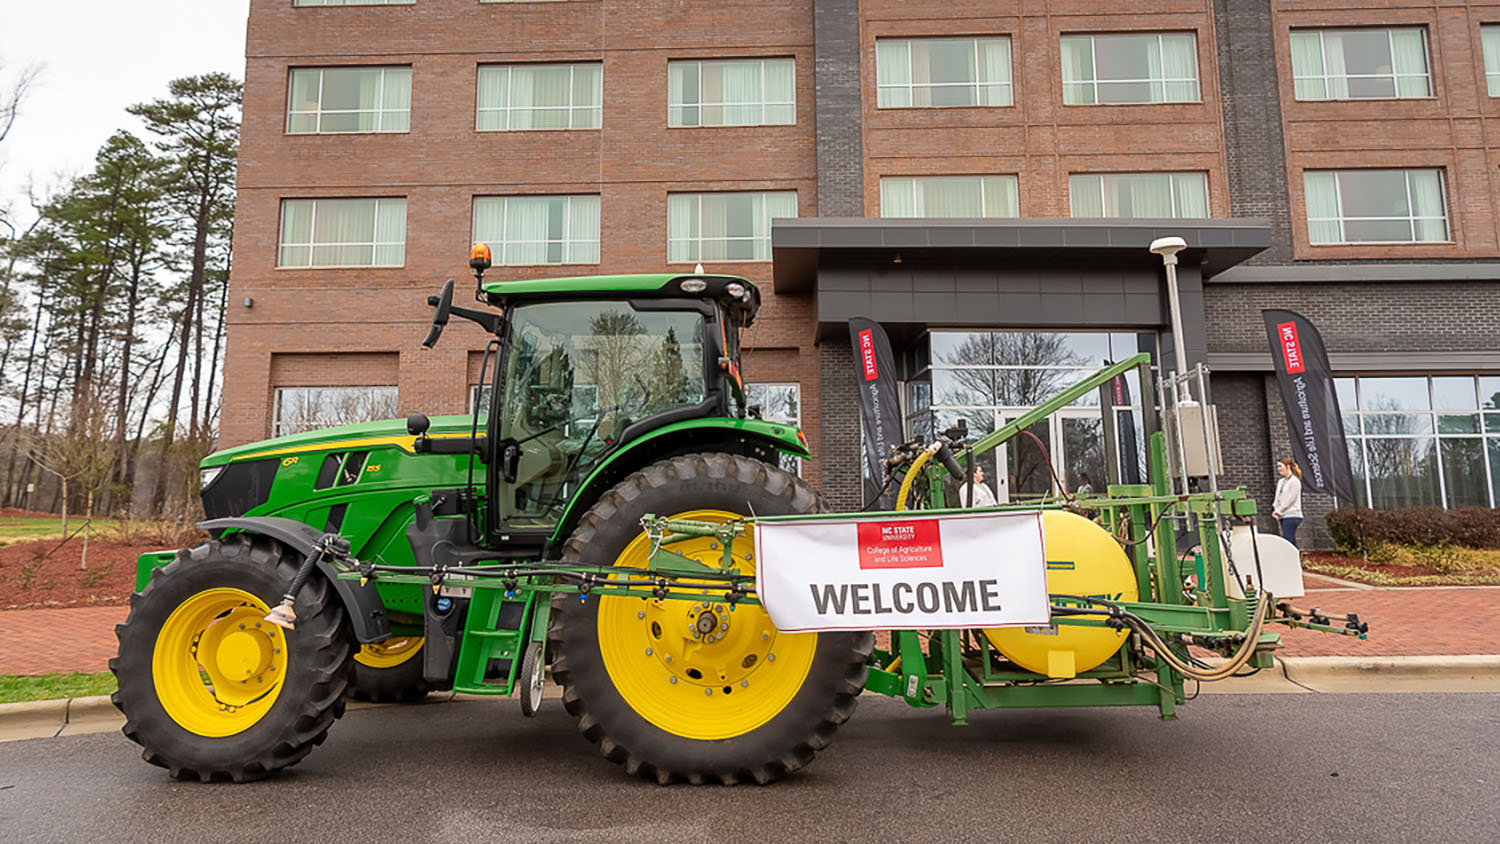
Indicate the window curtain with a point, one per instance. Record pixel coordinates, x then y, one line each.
355 92
296 232
1146 195
950 198
893 68
1490 36
1307 61
682 94
494 84
1191 191
994 72
718 220
780 92
303 98
1078 70
1179 61
343 233
489 224
1085 196
740 92
542 94
682 227
522 98
526 229
588 96
1409 60
781 204
1321 192
898 198
1333 66
395 101
1426 188
1000 199
583 230
390 232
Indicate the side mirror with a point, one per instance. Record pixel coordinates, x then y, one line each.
443 302
417 424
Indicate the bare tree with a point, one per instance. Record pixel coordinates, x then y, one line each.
11 99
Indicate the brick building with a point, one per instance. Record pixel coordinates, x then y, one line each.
1337 161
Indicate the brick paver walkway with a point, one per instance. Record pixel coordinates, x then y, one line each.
1403 622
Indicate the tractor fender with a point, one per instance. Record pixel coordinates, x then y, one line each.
751 437
361 602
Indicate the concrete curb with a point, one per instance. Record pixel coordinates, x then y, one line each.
1292 675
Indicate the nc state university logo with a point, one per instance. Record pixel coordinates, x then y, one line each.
900 545
867 353
1291 347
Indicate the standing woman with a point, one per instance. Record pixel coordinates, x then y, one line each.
1287 505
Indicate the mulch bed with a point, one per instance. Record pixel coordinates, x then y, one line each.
18 513
1381 574
30 578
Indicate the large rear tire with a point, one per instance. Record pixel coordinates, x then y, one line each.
209 689
738 701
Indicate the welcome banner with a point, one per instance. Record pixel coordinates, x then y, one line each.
1312 405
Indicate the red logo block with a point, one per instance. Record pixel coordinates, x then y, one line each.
867 353
913 544
1291 347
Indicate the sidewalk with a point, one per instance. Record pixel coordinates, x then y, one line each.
1428 621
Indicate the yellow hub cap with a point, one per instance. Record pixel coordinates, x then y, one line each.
699 669
390 653
217 665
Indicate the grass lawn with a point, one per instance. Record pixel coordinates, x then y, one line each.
15 688
32 528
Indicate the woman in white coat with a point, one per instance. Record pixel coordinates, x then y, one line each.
1287 505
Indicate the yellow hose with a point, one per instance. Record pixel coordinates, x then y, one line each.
911 476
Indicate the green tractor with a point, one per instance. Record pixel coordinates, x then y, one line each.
605 400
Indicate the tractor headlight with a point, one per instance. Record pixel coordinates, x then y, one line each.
693 285
735 289
207 476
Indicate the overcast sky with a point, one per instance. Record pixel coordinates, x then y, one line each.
98 57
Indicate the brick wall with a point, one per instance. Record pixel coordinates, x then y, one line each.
840 441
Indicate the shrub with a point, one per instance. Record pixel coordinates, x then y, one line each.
1365 531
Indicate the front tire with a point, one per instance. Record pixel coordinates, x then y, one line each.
737 702
210 690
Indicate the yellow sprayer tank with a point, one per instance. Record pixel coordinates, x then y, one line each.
1082 559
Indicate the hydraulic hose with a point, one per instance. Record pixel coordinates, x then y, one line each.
911 474
1143 629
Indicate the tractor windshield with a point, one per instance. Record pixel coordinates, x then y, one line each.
576 376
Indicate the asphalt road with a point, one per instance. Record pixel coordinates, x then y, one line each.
1409 767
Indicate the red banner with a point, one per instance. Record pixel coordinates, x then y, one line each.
900 545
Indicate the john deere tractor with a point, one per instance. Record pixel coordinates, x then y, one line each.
605 399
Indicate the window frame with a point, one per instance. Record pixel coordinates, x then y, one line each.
763 103
1393 75
696 243
1411 217
919 197
1163 80
498 247
910 87
379 111
571 108
282 244
1171 175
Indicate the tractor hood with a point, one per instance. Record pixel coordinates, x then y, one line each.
360 435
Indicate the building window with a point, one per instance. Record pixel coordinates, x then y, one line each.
1419 440
1490 37
513 97
949 196
1375 206
354 2
301 409
1160 195
1354 64
343 233
539 229
779 403
724 226
942 72
1141 68
349 99
732 92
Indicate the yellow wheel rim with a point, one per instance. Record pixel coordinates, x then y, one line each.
390 653
218 665
733 676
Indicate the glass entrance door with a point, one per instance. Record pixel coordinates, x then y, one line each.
1025 473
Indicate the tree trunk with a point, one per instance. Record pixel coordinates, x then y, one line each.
158 494
88 517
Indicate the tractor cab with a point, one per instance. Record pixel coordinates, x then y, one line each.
582 368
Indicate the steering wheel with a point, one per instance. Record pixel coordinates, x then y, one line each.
443 302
